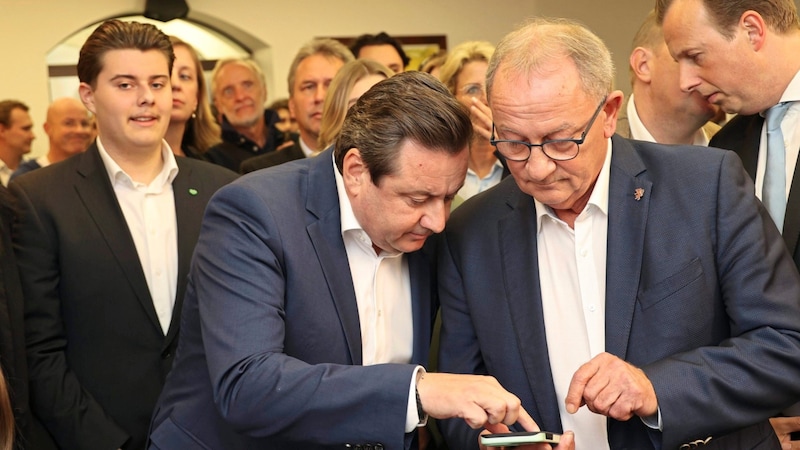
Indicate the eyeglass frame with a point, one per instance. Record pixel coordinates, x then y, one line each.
541 145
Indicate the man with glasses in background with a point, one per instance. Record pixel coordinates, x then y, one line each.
648 285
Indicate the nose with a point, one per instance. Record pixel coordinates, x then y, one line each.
176 83
539 166
146 95
435 216
687 77
320 93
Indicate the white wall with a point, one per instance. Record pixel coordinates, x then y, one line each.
29 29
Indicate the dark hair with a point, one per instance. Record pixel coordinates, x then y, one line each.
379 39
780 15
281 103
6 106
410 106
118 35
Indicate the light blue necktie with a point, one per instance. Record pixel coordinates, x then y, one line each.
774 189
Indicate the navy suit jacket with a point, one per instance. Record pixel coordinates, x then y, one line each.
743 135
270 348
700 293
96 352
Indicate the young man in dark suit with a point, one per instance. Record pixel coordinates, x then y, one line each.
103 243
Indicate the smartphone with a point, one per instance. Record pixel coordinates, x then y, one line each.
521 438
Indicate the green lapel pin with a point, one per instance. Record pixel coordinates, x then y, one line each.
192 191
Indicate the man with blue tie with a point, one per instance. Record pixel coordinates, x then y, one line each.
745 57
636 294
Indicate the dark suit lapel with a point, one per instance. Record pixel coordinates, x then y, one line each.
190 202
422 308
791 221
95 192
746 143
628 202
326 236
520 264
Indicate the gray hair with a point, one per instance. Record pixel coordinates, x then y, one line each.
540 41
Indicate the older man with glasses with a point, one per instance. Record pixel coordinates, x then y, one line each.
649 286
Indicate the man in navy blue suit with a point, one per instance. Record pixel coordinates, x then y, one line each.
745 57
644 282
311 296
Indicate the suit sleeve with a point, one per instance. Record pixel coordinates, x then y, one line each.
749 375
68 411
239 280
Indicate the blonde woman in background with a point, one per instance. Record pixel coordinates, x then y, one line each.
352 80
464 74
192 128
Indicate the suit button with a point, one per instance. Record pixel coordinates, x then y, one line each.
368 447
378 446
166 355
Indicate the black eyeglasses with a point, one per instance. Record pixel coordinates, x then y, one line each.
555 149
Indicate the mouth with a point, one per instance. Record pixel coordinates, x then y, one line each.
420 235
145 119
713 97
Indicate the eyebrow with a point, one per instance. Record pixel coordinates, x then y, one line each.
132 77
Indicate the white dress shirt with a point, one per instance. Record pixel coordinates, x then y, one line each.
306 149
383 293
572 274
5 173
149 211
791 137
639 131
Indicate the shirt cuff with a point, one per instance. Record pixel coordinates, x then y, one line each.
654 421
413 420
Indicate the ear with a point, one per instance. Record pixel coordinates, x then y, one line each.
354 172
612 107
640 61
753 24
87 97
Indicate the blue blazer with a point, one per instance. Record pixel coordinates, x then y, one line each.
700 293
743 135
270 350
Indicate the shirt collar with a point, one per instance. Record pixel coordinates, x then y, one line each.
169 170
306 149
598 198
349 223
